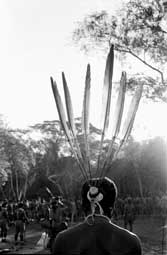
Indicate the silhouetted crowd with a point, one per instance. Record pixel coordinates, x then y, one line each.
55 215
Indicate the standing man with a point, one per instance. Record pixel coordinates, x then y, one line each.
21 219
129 213
57 222
73 211
4 220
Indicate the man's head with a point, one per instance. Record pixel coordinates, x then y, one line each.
102 189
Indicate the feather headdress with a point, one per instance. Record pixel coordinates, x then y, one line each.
119 132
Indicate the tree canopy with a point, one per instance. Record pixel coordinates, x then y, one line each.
139 171
137 30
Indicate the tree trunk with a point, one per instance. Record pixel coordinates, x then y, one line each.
2 191
25 187
12 187
136 165
17 185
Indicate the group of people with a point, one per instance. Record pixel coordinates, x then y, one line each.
16 216
97 234
19 214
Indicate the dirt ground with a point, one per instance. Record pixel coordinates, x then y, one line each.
153 238
152 234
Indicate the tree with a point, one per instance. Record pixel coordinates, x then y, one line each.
18 161
148 161
55 166
135 30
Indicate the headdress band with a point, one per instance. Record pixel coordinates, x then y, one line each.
94 196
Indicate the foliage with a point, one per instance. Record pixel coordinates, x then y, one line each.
135 30
15 162
152 88
141 170
19 161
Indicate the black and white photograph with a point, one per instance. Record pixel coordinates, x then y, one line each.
83 127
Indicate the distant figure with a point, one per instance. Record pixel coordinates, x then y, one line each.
20 219
73 211
4 221
129 214
57 222
97 235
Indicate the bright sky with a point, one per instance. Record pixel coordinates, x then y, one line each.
35 44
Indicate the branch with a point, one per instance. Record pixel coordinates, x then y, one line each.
143 61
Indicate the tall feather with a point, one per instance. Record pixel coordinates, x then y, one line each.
70 115
106 98
107 88
85 115
62 118
69 107
60 110
119 106
128 123
117 118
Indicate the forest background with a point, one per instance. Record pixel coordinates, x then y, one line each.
38 156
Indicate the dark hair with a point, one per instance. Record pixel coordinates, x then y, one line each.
20 205
105 186
4 204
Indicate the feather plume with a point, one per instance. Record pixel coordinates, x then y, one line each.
70 115
128 123
107 88
69 107
117 118
106 98
62 118
85 115
86 103
61 111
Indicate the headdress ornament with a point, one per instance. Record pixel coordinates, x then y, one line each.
94 196
119 132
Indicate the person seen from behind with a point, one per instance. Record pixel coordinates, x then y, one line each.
20 219
129 214
56 219
4 221
97 235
